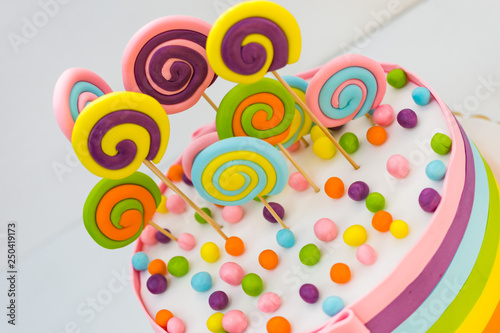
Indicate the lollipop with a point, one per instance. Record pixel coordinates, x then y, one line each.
166 59
74 89
194 148
346 88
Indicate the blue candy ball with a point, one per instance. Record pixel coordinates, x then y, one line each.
201 281
333 305
435 170
140 261
285 238
421 95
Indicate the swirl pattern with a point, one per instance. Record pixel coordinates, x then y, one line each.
346 88
263 110
194 148
252 38
233 171
118 131
75 88
116 211
166 59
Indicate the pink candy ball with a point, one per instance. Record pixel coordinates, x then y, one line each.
186 241
231 273
298 182
325 230
294 147
175 325
269 302
383 115
234 321
232 214
366 254
148 235
176 204
398 166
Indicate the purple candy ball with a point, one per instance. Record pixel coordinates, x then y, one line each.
157 284
277 208
429 200
309 293
162 238
186 180
407 118
336 128
358 191
218 300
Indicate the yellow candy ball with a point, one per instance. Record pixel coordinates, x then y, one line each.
162 208
210 252
355 235
214 322
399 229
324 148
316 133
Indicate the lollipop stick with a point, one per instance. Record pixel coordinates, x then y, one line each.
167 182
315 120
298 167
370 119
273 213
212 104
304 141
163 231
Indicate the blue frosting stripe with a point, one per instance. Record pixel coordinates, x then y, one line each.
254 166
301 84
79 88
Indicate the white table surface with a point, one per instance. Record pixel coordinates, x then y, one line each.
453 45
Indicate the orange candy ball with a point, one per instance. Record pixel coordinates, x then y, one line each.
381 221
278 325
162 317
268 259
376 135
340 273
157 266
235 246
334 188
175 173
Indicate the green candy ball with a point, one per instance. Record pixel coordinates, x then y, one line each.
200 219
309 255
397 78
178 266
375 202
349 141
252 284
258 200
441 143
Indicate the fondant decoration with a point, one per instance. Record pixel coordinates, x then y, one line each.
381 221
175 173
340 273
160 236
298 182
435 170
366 254
234 246
214 322
200 219
235 321
268 259
441 143
398 166
148 235
231 273
194 148
175 204
176 325
201 281
140 261
324 148
358 191
157 284
325 230
376 135
429 199
397 78
333 305
186 241
285 238
157 266
334 188
278 209
278 325
355 235
162 317
421 95
350 142
269 302
178 266
383 115
309 255
407 118
252 284
232 214
375 202
218 300
210 252
399 229
309 293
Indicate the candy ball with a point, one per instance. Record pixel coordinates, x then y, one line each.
334 187
399 229
186 180
235 321
397 78
340 273
175 325
358 191
200 219
277 208
269 302
162 317
383 115
398 166
175 173
298 182
148 235
258 199
333 305
309 255
162 207
435 170
407 118
218 300
309 293
268 259
316 133
214 322
157 284
201 281
234 246
375 202
278 325
441 143
285 238
355 235
232 214
178 266
349 141
176 204
157 266
140 261
252 284
231 273
186 241
325 230
429 200
376 135
324 148
381 221
160 237
421 95
366 254
294 147
210 252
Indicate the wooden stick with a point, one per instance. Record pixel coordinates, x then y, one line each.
212 104
273 213
298 167
304 141
163 231
370 119
315 120
167 182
